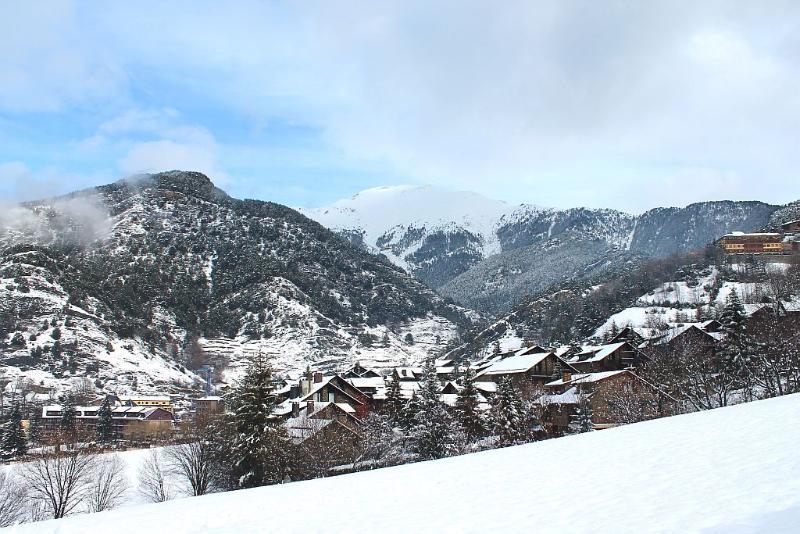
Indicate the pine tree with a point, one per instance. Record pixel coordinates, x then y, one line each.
14 442
68 416
105 422
469 415
733 355
433 433
508 419
259 440
395 404
35 426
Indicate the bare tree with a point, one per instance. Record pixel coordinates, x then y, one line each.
13 500
773 365
60 482
191 463
110 484
153 478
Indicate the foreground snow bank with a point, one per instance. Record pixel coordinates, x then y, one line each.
734 469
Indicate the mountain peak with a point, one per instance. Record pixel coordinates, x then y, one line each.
191 183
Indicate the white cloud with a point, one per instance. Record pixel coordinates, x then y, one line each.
153 156
554 102
49 62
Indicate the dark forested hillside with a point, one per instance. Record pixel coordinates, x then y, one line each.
169 258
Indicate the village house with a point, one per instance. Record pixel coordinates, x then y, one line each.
629 334
359 371
597 392
329 429
414 374
791 227
524 369
335 389
371 386
208 406
679 337
611 357
130 422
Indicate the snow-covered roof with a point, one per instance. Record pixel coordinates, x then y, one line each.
595 353
486 387
515 364
672 333
117 411
561 351
144 398
760 234
570 396
586 378
368 382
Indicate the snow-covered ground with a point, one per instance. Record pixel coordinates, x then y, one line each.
729 470
676 302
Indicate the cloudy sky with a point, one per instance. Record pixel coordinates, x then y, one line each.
606 104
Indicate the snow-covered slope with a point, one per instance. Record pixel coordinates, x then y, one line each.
729 470
675 303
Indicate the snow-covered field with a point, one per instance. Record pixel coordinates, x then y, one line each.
729 470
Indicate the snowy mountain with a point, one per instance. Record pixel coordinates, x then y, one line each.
428 231
487 254
664 475
136 284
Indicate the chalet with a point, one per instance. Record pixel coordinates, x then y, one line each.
359 371
690 335
710 326
628 334
407 374
130 422
611 357
369 385
329 428
594 389
754 243
791 227
524 368
318 388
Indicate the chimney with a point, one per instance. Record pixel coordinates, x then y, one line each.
309 407
317 378
566 376
295 409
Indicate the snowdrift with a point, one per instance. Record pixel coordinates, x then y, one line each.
734 469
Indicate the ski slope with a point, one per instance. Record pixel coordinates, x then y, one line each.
734 469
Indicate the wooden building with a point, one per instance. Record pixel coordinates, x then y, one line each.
610 357
319 388
791 227
130 422
150 401
596 391
524 369
755 243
